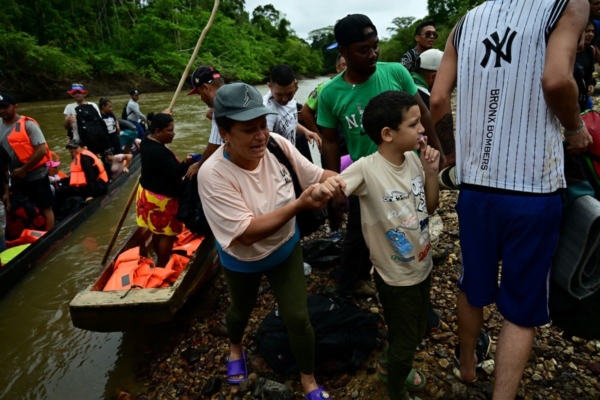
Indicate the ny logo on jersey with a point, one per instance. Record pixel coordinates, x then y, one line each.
502 48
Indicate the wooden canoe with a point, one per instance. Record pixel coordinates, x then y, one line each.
17 268
113 311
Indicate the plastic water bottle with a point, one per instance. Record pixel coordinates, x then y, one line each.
307 269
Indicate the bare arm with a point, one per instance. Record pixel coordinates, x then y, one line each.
558 84
432 137
195 167
310 135
266 225
440 101
39 151
308 115
331 149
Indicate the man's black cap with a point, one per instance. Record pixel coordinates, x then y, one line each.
6 99
351 28
134 92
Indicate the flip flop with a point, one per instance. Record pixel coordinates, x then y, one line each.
237 367
482 349
410 380
317 394
447 178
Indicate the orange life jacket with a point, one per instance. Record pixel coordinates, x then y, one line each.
189 248
177 264
18 139
27 236
77 174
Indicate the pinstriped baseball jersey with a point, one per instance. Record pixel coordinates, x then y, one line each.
507 138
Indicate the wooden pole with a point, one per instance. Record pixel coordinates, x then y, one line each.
194 54
121 220
170 109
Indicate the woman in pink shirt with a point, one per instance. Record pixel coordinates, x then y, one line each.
249 201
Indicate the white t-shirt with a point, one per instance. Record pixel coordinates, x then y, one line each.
70 112
215 136
232 196
285 122
506 135
394 216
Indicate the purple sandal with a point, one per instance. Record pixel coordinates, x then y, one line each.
317 394
237 367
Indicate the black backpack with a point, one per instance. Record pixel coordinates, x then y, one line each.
124 114
190 211
344 336
308 220
92 129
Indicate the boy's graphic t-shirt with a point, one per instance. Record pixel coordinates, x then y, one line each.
285 122
394 216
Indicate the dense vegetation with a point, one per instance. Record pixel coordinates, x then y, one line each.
108 44
444 13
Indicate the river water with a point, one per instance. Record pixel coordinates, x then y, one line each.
42 355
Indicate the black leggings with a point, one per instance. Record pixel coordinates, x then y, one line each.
289 287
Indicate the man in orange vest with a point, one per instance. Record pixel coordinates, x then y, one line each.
24 143
88 178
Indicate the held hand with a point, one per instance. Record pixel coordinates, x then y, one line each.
126 170
335 185
71 120
579 143
430 158
307 202
310 136
193 170
189 158
20 173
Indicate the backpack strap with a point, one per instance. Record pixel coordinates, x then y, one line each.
276 150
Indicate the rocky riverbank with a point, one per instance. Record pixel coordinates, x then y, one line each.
191 364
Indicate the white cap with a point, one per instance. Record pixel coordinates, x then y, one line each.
431 59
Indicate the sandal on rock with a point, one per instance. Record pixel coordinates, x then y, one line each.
410 379
237 367
482 349
317 394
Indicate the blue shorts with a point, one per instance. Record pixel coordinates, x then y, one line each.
519 229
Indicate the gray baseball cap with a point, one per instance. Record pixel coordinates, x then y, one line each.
240 102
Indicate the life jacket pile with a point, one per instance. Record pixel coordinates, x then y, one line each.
133 271
27 236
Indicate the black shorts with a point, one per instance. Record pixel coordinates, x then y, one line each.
38 191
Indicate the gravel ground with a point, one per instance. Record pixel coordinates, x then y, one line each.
191 363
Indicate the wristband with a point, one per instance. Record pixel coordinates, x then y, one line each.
575 131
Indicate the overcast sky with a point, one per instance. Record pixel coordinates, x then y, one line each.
307 15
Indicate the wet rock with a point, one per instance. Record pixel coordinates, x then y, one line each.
341 381
211 386
248 384
355 394
459 391
270 390
594 368
444 363
192 356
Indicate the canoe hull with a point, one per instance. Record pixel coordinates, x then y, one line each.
114 311
16 269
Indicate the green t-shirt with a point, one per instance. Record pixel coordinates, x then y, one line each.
313 97
342 104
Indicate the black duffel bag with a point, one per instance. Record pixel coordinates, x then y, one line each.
190 211
344 336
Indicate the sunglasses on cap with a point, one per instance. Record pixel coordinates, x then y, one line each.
430 35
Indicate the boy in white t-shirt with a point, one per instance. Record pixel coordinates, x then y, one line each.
398 189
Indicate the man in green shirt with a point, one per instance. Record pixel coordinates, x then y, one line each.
341 104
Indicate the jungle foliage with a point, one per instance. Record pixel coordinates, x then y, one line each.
46 44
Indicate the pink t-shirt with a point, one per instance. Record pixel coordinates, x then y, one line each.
231 196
